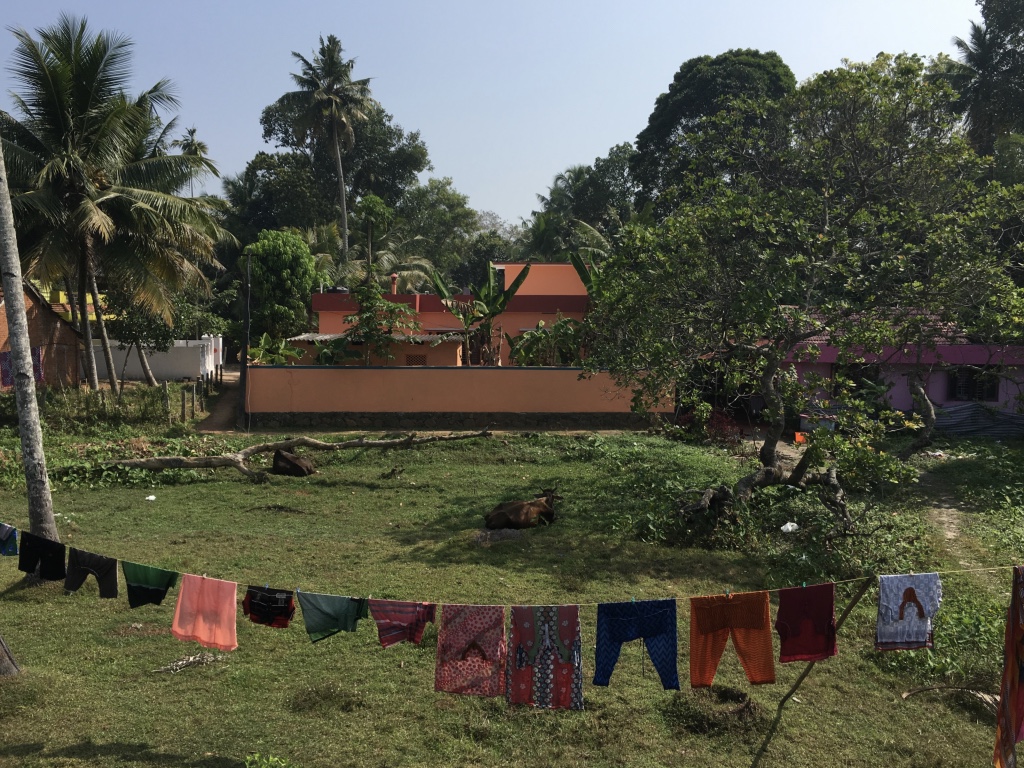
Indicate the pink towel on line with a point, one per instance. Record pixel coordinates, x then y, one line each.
206 612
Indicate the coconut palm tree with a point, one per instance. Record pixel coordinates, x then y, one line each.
976 77
328 102
40 502
189 145
90 200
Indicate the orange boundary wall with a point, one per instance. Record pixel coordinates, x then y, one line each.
323 389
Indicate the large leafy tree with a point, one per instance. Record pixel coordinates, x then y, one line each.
385 160
703 86
282 273
440 219
848 210
276 191
92 194
599 196
327 105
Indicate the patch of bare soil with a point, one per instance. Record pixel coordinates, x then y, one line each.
942 508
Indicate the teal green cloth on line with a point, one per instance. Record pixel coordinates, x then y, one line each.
326 615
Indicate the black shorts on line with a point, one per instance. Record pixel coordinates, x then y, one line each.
81 564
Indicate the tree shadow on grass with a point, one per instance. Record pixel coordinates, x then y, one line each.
93 753
573 551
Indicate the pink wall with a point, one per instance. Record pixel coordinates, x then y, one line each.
1011 385
318 389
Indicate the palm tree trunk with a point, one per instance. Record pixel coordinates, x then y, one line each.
341 191
40 501
83 306
71 302
146 370
108 355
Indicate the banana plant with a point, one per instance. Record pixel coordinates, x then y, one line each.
487 302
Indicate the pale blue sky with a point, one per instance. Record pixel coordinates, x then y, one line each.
505 95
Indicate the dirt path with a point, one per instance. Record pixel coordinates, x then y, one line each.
224 414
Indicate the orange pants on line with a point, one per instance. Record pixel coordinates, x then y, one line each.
744 616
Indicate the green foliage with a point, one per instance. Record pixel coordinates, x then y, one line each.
702 87
270 351
847 210
385 160
276 191
283 275
440 218
377 322
478 314
562 343
134 324
335 351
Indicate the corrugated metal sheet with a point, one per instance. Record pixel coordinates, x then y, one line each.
979 420
416 338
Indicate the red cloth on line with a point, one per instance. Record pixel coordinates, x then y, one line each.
471 650
206 612
1010 715
806 623
399 621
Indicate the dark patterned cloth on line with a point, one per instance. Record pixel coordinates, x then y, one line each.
652 620
806 623
81 564
270 607
545 665
47 554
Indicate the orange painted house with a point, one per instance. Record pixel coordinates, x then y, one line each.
549 291
427 384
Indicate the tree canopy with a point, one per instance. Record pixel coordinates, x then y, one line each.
703 86
282 276
848 210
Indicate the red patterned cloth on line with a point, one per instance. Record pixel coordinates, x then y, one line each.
471 650
545 666
399 621
1010 715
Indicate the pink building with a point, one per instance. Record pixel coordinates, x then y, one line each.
955 373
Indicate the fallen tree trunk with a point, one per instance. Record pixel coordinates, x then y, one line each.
239 460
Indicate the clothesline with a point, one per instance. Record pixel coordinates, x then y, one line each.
674 597
542 666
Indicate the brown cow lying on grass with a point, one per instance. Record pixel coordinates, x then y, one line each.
524 514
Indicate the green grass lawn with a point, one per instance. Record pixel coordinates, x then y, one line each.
89 694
